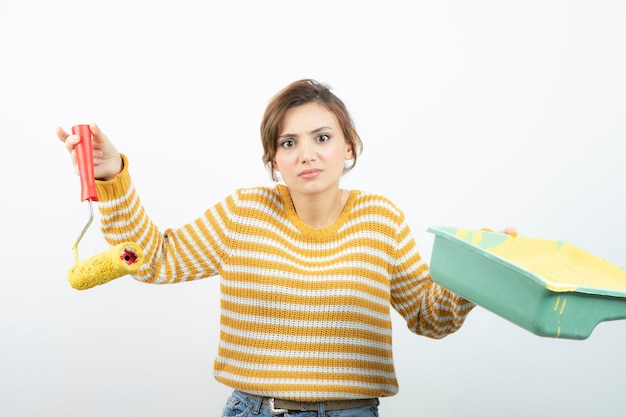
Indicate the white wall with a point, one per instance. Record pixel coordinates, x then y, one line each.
473 113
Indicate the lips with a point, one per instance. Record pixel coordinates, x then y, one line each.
309 173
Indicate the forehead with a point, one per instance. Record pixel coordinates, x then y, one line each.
308 117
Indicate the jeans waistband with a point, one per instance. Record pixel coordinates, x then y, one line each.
280 406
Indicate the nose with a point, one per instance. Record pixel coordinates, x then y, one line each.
307 151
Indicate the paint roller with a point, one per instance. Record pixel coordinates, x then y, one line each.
122 259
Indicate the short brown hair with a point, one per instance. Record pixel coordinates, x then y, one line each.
296 94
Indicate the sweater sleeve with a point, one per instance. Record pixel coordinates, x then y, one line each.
171 256
428 308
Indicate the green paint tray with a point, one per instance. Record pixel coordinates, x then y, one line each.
550 288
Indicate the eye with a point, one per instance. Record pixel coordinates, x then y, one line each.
323 138
287 143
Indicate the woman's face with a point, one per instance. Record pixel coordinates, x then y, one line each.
311 149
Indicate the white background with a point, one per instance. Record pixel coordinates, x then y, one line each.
473 113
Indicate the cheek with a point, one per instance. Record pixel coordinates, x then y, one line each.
279 161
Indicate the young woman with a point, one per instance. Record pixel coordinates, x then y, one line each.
309 271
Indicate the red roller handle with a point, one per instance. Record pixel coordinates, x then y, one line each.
84 155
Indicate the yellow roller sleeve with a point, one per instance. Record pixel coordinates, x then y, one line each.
101 268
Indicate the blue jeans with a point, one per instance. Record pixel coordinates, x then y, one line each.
240 405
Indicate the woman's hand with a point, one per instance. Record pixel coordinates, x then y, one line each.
107 161
509 230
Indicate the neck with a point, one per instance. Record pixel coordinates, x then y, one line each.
320 211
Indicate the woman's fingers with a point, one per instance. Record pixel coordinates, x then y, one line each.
509 230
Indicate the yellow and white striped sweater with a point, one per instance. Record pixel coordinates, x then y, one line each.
305 313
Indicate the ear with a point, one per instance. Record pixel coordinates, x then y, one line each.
349 152
275 166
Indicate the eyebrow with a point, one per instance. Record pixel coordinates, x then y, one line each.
314 131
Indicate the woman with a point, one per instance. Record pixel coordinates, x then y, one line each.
308 270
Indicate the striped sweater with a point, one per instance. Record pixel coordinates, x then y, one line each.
305 313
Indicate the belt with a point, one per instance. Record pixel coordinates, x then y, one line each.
278 406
